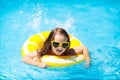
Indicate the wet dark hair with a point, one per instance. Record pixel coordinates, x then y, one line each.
47 44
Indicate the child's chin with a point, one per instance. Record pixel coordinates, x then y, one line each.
58 54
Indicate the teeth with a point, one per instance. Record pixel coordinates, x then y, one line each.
59 50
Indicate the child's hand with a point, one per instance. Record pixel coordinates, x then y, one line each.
42 65
87 65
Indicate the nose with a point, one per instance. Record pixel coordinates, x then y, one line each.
60 47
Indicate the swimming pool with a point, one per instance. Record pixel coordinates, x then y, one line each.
95 23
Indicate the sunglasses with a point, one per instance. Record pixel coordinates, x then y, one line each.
63 44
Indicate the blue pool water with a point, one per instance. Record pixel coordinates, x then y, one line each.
95 22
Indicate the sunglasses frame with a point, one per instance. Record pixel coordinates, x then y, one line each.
60 44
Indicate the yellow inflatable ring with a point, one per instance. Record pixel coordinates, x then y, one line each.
36 41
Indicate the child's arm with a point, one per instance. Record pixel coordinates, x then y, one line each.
29 59
84 51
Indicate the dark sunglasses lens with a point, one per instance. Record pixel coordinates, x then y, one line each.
65 45
55 44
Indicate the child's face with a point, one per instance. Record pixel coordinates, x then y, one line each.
59 44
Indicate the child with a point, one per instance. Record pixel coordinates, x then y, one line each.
54 46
